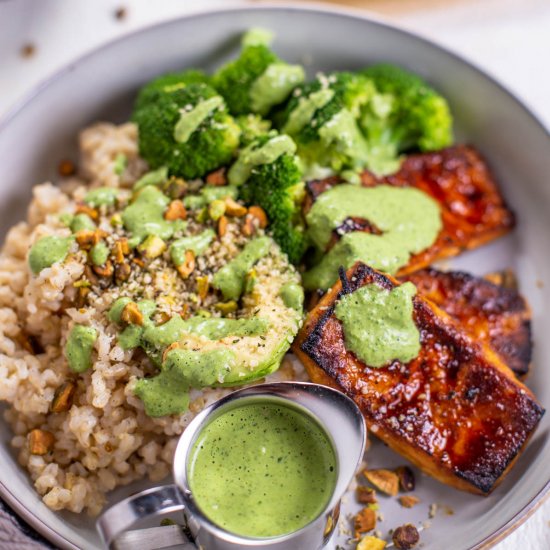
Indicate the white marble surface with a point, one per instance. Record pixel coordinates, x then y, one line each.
510 39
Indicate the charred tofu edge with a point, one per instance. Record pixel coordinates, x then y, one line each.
319 370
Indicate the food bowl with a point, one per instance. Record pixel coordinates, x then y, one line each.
42 129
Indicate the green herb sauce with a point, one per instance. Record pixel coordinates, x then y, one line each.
121 161
82 222
155 177
102 196
99 253
168 392
342 133
378 324
292 295
190 120
47 251
208 194
230 279
145 216
197 243
252 156
274 85
262 469
408 218
79 347
302 114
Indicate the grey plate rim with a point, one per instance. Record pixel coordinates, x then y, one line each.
314 7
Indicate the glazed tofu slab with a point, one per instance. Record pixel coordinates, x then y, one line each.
490 309
455 410
473 210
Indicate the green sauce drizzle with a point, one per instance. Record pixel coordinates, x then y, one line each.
266 154
168 392
208 194
189 121
274 85
254 457
145 216
82 222
121 161
341 133
292 295
99 253
230 279
102 196
378 324
409 219
79 347
46 251
197 243
302 114
155 177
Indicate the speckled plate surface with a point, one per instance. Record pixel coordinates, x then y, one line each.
43 128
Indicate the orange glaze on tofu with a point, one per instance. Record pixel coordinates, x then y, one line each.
492 313
456 411
472 208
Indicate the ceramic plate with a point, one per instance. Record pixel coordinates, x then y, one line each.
101 85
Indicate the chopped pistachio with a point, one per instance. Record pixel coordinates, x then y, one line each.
116 220
202 215
63 397
88 210
104 270
40 442
216 209
188 266
152 247
222 226
122 272
131 314
408 501
384 480
176 211
175 188
233 208
218 177
227 307
364 521
202 287
371 543
249 227
259 214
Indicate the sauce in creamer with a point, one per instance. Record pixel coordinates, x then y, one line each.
262 469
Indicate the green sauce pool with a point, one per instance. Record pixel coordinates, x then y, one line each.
262 469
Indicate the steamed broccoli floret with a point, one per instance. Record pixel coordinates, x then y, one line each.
252 127
278 188
162 141
408 114
258 79
321 116
169 83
